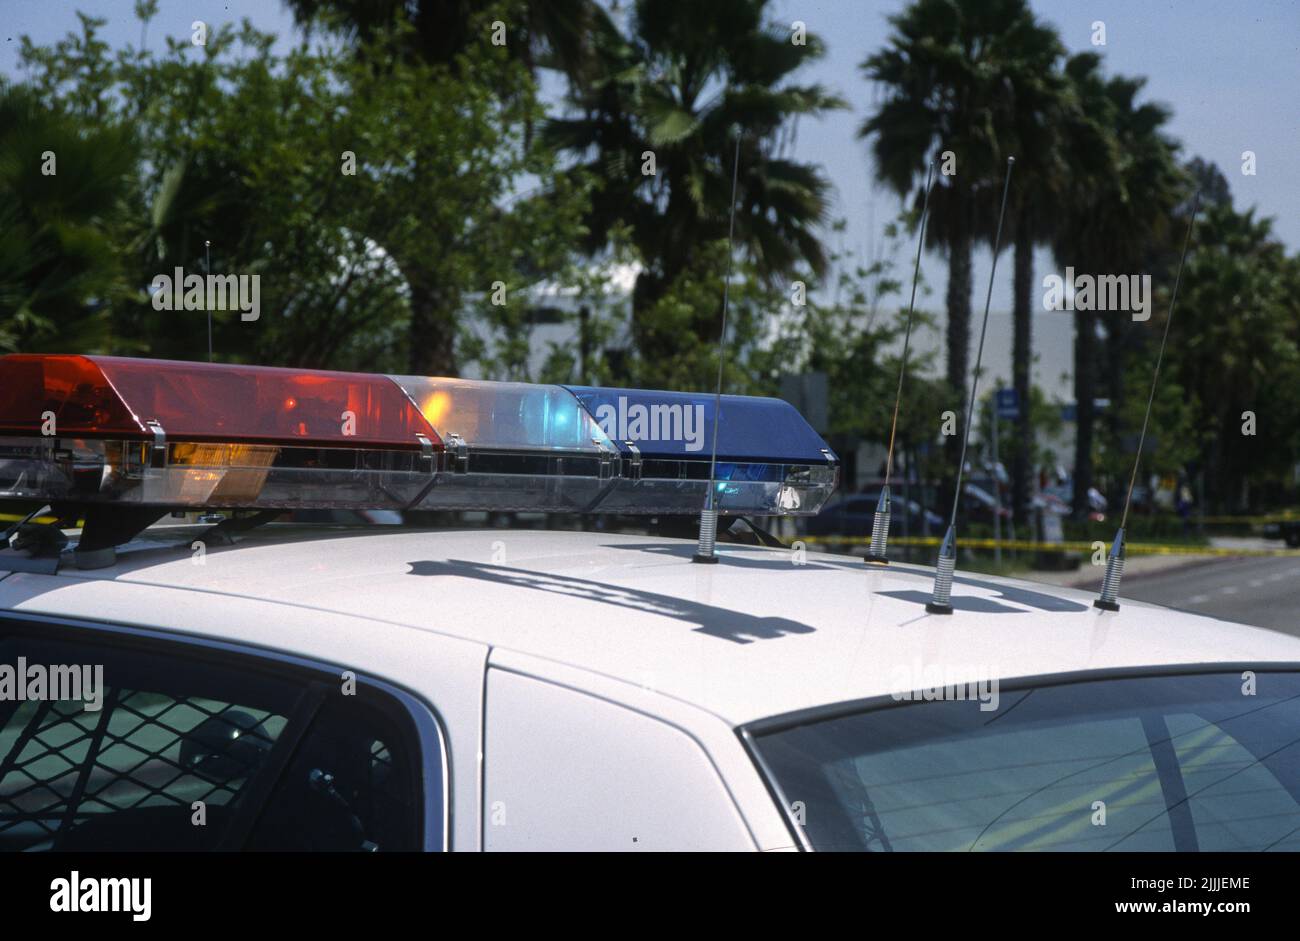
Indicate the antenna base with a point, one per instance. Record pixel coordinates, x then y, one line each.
705 559
1105 605
932 608
875 559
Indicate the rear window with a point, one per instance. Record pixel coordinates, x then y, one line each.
115 742
1168 763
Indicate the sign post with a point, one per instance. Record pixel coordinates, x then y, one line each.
1006 404
997 484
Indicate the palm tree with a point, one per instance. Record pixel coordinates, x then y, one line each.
679 85
1036 109
1125 186
974 77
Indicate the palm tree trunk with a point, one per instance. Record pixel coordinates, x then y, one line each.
1116 344
1085 384
959 287
648 289
1021 359
433 327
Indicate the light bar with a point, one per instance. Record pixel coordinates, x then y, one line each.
769 462
512 446
94 430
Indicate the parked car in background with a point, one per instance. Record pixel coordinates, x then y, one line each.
1288 530
1064 492
981 505
854 514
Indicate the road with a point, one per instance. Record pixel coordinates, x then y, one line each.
1264 591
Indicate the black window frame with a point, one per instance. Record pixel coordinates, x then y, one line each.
426 734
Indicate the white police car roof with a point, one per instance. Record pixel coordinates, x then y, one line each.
750 637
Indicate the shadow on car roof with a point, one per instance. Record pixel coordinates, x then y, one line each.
714 621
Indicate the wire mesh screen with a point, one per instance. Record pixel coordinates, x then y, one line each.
145 755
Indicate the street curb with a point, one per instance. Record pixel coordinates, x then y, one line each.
1129 577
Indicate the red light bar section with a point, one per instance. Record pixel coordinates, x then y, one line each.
71 389
112 397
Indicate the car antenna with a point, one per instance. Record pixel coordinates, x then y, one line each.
207 271
1107 600
941 602
880 524
709 514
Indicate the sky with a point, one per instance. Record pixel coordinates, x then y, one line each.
1229 70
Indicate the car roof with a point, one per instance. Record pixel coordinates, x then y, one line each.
750 637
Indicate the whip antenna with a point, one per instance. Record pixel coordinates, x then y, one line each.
941 602
880 525
709 515
1107 601
207 271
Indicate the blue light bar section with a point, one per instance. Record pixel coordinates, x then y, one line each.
679 426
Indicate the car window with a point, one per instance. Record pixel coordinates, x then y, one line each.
148 745
1134 764
347 788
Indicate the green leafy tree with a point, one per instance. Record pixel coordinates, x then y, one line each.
492 52
357 183
63 181
853 333
1234 351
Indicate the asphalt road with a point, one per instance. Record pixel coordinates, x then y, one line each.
1264 591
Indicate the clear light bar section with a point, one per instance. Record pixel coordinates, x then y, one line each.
504 415
512 446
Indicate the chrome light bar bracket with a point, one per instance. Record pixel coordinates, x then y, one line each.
633 462
158 447
458 454
426 452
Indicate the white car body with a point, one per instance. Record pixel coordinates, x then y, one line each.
588 687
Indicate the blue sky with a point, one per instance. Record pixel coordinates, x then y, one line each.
1229 70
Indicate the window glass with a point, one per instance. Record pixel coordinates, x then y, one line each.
348 787
1143 763
139 745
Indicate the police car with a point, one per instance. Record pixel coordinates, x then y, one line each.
251 684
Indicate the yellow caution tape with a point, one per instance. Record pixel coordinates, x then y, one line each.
1134 548
14 517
